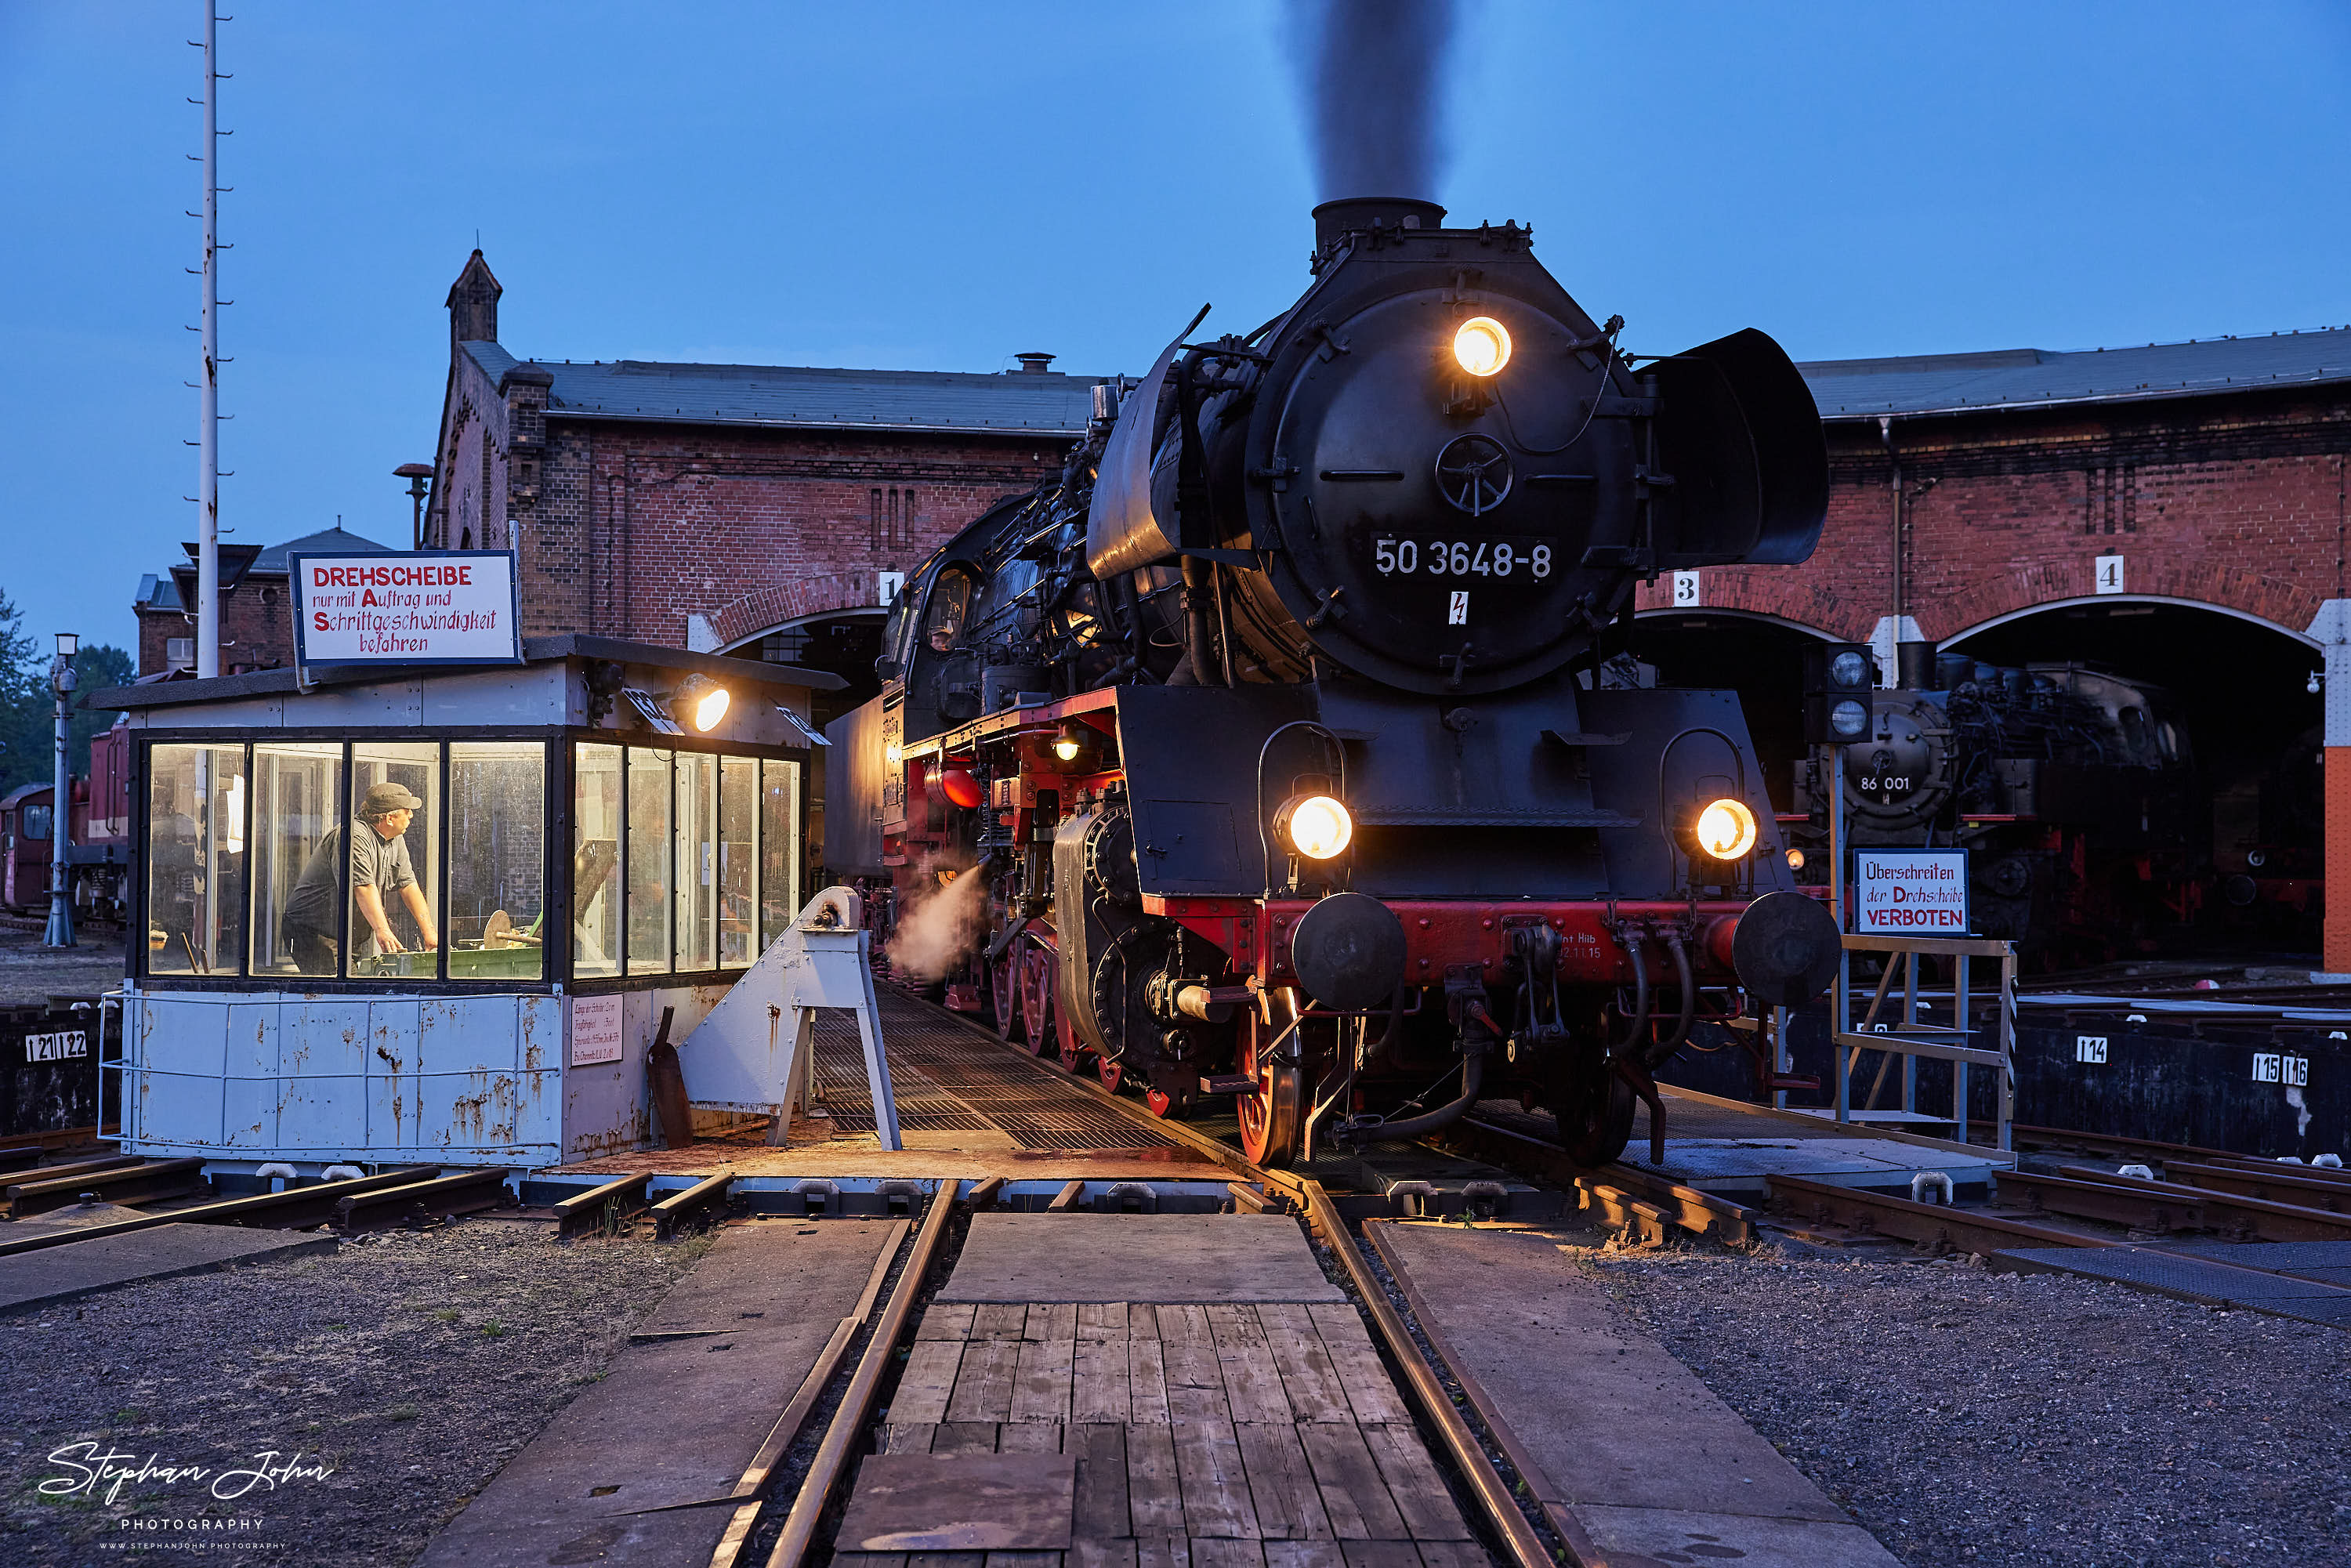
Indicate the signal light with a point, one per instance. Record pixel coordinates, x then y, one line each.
1838 680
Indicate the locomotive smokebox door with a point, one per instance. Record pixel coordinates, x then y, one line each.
1786 948
1349 951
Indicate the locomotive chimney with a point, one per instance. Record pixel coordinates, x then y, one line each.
1356 215
1914 666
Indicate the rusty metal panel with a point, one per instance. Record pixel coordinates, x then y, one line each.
249 1114
393 1096
320 1038
605 1105
489 1113
185 1035
252 1040
538 1111
177 1107
322 1114
539 1033
393 1104
466 1034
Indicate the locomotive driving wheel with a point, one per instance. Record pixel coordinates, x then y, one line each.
1004 993
1593 1108
1036 986
1273 1113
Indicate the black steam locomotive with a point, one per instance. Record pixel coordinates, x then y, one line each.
1261 754
2074 787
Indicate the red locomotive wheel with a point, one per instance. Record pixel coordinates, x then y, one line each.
1036 1000
1273 1116
1004 994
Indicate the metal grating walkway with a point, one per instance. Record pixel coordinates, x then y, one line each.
949 1077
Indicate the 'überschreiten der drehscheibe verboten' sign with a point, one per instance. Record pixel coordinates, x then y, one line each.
1910 893
421 607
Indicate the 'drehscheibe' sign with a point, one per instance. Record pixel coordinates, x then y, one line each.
421 607
1910 893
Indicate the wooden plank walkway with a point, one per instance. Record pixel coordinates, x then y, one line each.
1204 1435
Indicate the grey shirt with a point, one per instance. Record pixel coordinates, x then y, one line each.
374 864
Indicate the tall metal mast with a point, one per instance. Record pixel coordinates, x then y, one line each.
208 630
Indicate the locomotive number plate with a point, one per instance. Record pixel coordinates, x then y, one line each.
1523 557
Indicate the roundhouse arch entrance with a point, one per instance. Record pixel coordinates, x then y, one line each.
2241 684
1760 656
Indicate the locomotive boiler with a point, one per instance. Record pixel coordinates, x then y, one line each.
2073 787
1261 754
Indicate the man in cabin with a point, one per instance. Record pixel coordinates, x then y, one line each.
379 865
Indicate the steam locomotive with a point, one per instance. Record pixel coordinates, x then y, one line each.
1262 753
2074 787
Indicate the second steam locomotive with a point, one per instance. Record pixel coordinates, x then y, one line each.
1264 753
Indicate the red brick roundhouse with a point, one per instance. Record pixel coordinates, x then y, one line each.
2175 513
752 509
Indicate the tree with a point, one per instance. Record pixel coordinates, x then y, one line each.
29 707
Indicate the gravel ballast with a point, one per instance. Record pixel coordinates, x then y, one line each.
411 1365
1982 1419
31 974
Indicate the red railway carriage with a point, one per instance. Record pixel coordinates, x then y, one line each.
1280 749
99 831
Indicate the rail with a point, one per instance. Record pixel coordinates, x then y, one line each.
1912 1038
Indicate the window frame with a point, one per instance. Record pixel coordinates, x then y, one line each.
556 975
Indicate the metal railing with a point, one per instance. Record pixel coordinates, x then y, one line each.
1910 1038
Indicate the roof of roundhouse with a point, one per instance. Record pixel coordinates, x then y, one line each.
1016 402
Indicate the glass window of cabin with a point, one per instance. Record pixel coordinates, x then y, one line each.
779 847
648 867
298 868
38 821
595 859
195 859
697 864
943 623
391 847
739 816
498 858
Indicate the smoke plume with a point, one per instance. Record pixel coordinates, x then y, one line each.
1374 75
941 920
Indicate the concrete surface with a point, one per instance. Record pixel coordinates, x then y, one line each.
675 1419
85 1267
1623 1444
1736 1167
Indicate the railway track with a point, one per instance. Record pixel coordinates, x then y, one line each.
785 1506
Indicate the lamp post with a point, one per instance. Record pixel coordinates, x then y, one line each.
62 680
416 474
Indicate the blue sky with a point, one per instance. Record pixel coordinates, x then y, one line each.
942 186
